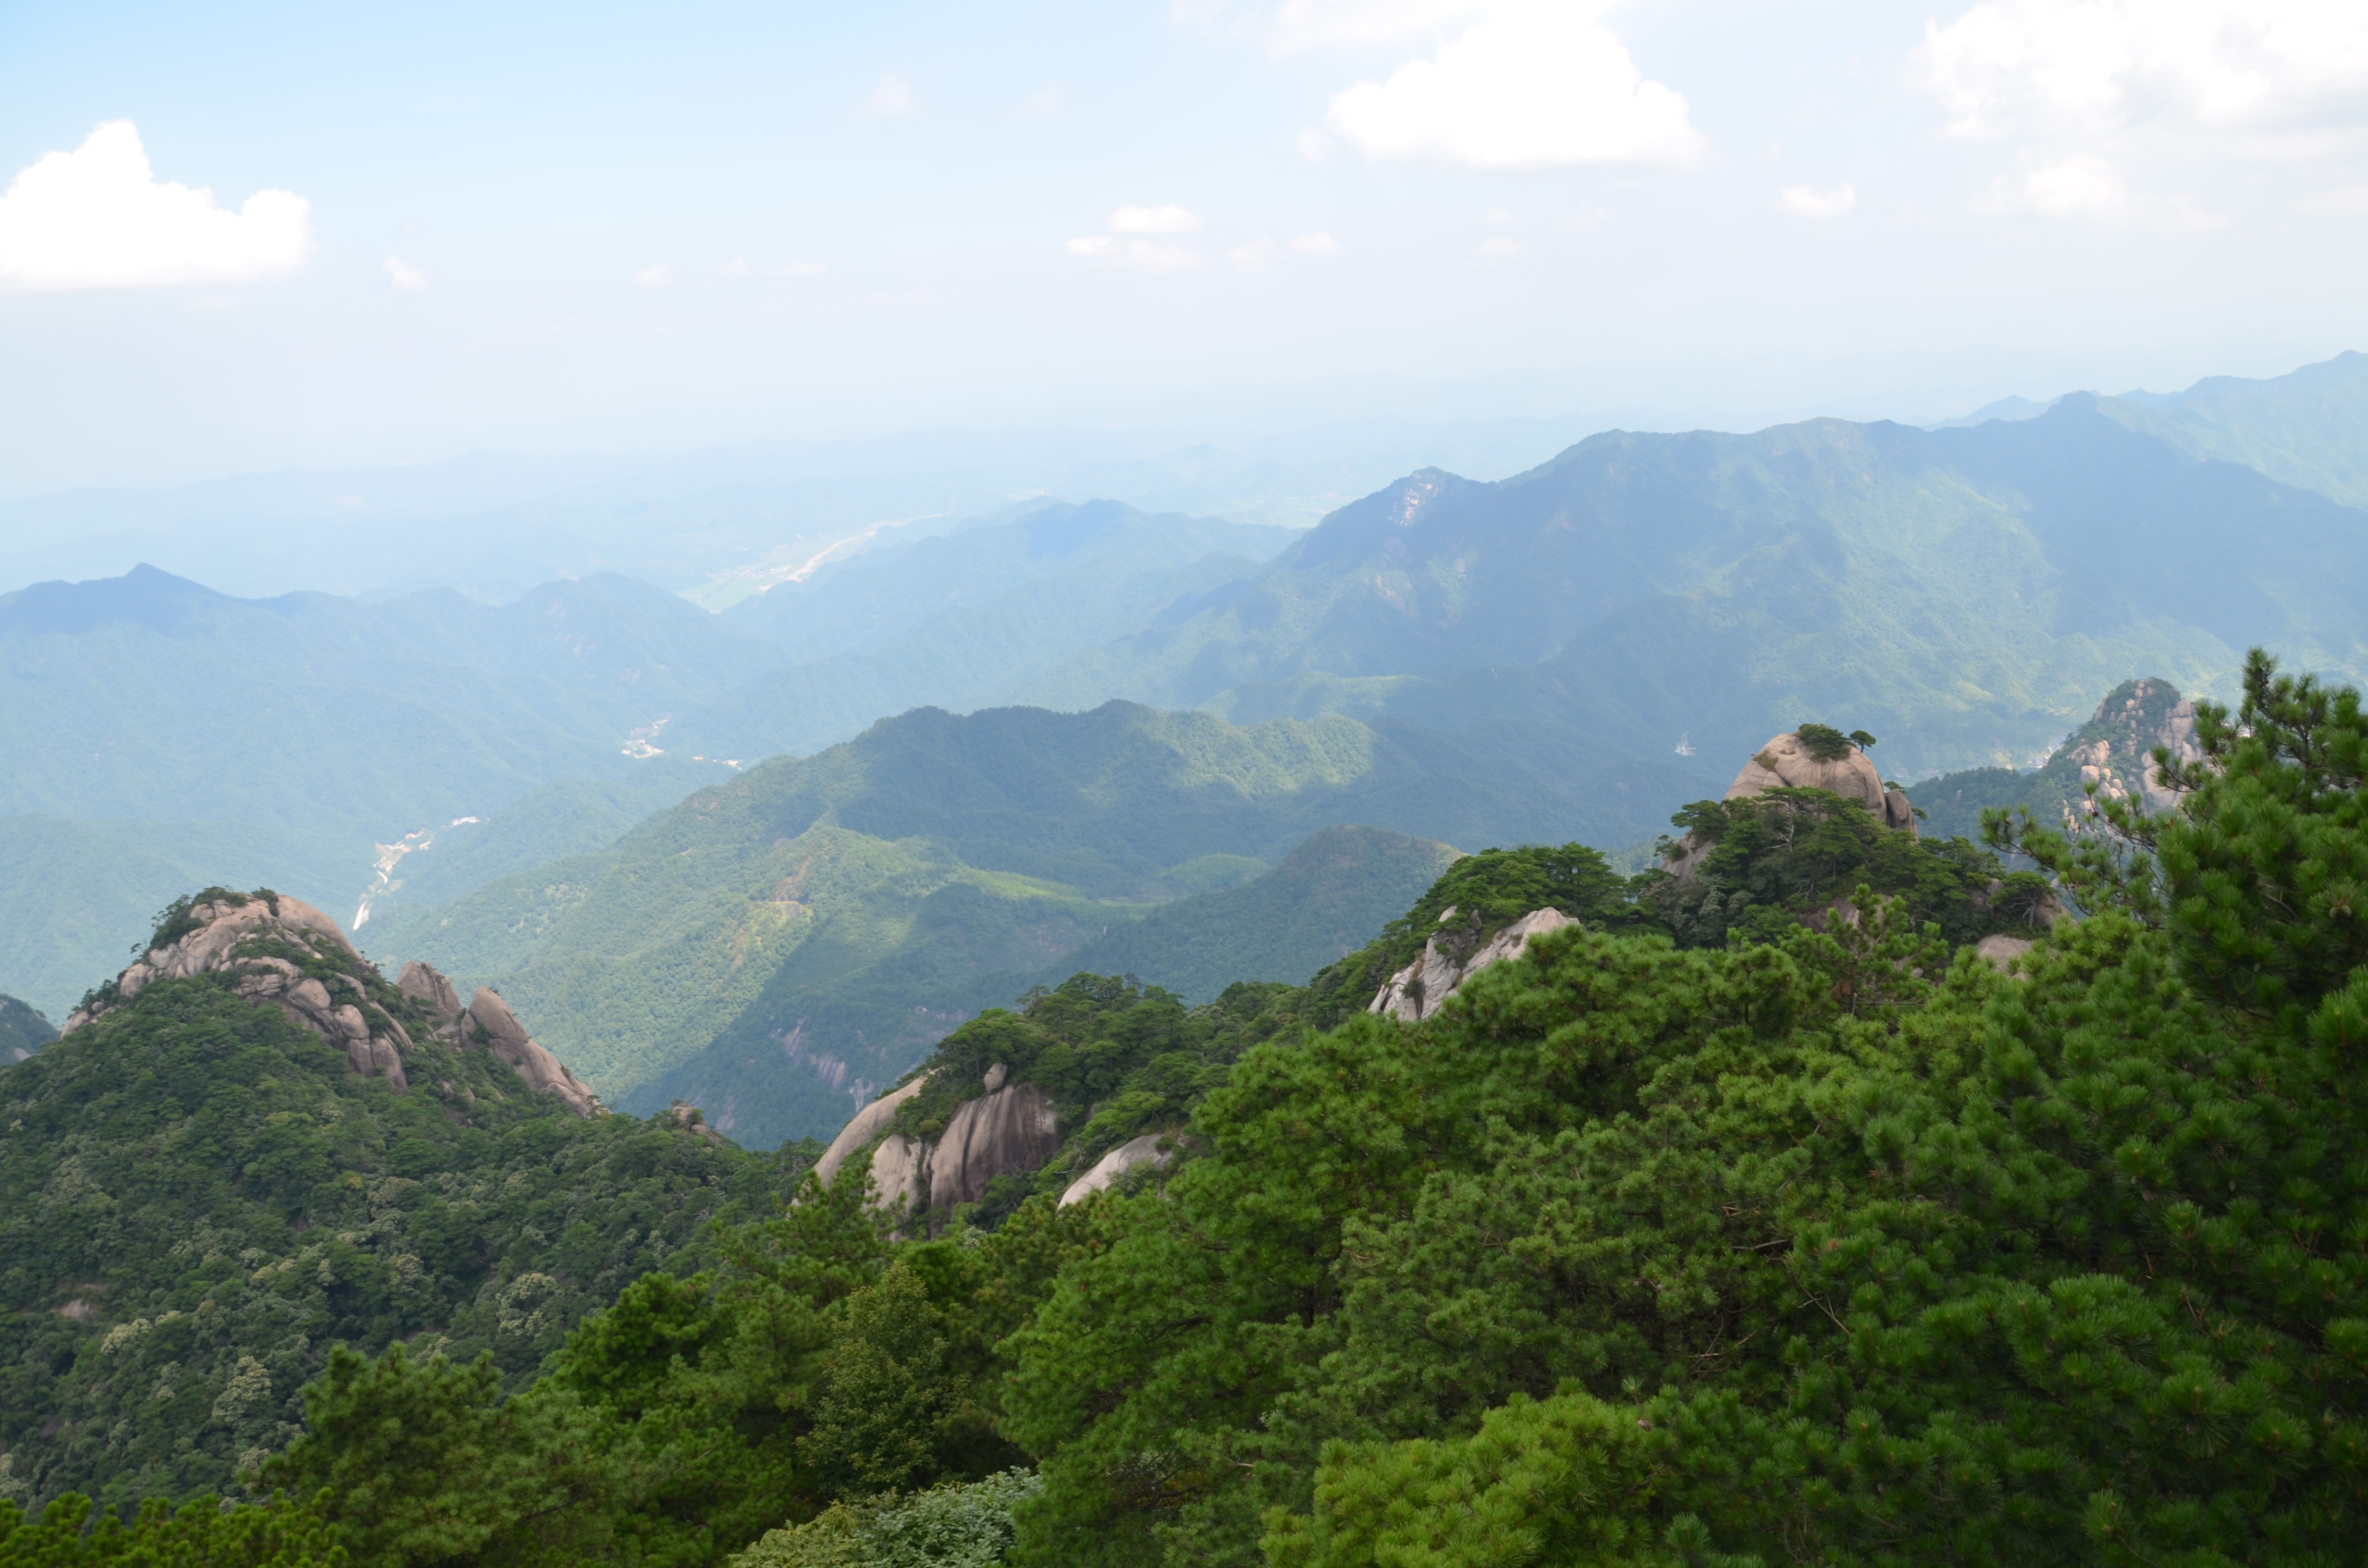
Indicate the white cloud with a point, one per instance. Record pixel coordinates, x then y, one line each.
1498 215
1308 24
736 267
1143 256
1533 84
1045 101
1503 247
1320 242
805 268
404 276
2234 65
1256 256
1803 201
659 276
96 218
1169 219
891 97
2335 203
2092 189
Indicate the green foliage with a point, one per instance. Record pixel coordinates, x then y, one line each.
957 1525
1790 854
1826 1249
1825 742
203 1533
200 1202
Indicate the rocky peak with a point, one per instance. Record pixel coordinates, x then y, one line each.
282 952
1454 955
1795 760
2114 750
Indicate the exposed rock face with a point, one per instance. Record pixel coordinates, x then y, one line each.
866 1125
1009 1130
693 1120
372 1041
424 984
1786 762
1420 989
2001 950
1151 1149
497 1029
2136 717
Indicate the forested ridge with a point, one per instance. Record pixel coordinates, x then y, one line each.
1684 1238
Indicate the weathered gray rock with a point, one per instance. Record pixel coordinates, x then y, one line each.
1786 762
1998 951
900 1172
372 1041
498 1029
1151 1149
862 1127
1012 1129
423 983
1420 990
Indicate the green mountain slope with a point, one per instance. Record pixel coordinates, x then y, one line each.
2113 751
200 1200
23 1030
2303 429
779 946
1327 899
1963 593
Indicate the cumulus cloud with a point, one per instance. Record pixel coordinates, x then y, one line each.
659 276
1803 201
1503 247
2278 66
891 97
98 218
2339 202
1320 242
1533 85
1307 23
805 268
1046 101
404 276
2092 189
1169 219
1143 256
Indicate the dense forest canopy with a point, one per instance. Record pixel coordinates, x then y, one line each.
1773 1244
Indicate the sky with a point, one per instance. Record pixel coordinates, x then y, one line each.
240 237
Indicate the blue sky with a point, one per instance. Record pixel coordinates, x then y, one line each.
562 228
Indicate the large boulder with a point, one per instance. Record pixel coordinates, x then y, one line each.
1151 1149
496 1027
862 1127
1013 1130
1452 957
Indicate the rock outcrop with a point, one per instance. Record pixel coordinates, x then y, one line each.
1011 1129
2114 750
267 941
283 952
1452 957
1151 1149
1786 762
490 1023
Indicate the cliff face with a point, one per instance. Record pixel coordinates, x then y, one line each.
1454 956
282 952
1010 1130
2114 750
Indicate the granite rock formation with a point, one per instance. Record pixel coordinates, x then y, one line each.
1151 1149
283 952
1011 1129
1452 957
1786 762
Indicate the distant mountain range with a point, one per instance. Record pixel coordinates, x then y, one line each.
1566 654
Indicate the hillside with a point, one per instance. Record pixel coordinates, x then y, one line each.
23 1030
1962 592
2302 429
2112 751
780 946
1322 901
213 1183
